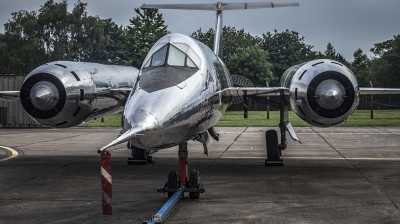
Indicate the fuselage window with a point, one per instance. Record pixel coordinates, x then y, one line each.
176 57
158 58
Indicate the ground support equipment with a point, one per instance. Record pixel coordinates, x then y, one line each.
177 184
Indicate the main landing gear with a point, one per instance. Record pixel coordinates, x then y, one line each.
273 149
181 180
139 156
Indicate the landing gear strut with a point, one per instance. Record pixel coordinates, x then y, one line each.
180 180
177 184
271 137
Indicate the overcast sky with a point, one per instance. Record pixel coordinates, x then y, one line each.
347 24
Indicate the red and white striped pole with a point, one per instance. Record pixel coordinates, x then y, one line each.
106 182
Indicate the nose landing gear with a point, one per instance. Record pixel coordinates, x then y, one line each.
177 184
180 180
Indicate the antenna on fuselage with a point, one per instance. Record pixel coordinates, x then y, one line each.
219 7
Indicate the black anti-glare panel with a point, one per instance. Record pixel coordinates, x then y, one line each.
158 78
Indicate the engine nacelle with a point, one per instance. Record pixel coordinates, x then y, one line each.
323 92
64 94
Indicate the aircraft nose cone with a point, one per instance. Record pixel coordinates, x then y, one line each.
134 124
140 118
44 95
330 94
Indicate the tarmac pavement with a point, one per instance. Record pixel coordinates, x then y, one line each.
337 175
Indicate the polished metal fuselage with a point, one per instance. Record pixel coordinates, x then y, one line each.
87 88
184 106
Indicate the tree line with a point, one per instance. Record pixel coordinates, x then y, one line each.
53 33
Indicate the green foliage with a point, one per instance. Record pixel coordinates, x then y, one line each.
361 67
252 62
146 28
206 38
113 120
53 33
386 64
233 41
360 118
236 41
20 46
330 53
242 53
285 50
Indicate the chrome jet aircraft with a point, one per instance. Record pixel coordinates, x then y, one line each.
181 91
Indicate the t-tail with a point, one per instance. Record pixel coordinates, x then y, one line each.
219 7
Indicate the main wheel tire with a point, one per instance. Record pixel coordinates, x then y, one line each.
273 151
173 181
138 153
194 182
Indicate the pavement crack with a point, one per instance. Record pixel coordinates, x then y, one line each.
358 170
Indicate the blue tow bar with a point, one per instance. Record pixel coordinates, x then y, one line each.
163 212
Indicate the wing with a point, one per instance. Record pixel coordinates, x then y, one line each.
122 89
9 95
274 91
378 91
263 91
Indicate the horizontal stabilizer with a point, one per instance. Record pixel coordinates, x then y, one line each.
9 95
378 91
219 6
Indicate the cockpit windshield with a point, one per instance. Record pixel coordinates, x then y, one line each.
175 54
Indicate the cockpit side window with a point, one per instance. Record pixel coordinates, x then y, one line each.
190 63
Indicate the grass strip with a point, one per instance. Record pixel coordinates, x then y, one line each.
360 118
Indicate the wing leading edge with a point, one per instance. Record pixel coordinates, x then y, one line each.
274 91
9 95
378 91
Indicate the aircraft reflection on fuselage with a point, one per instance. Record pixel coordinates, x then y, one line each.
176 96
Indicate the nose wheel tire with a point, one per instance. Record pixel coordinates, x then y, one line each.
173 181
194 182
